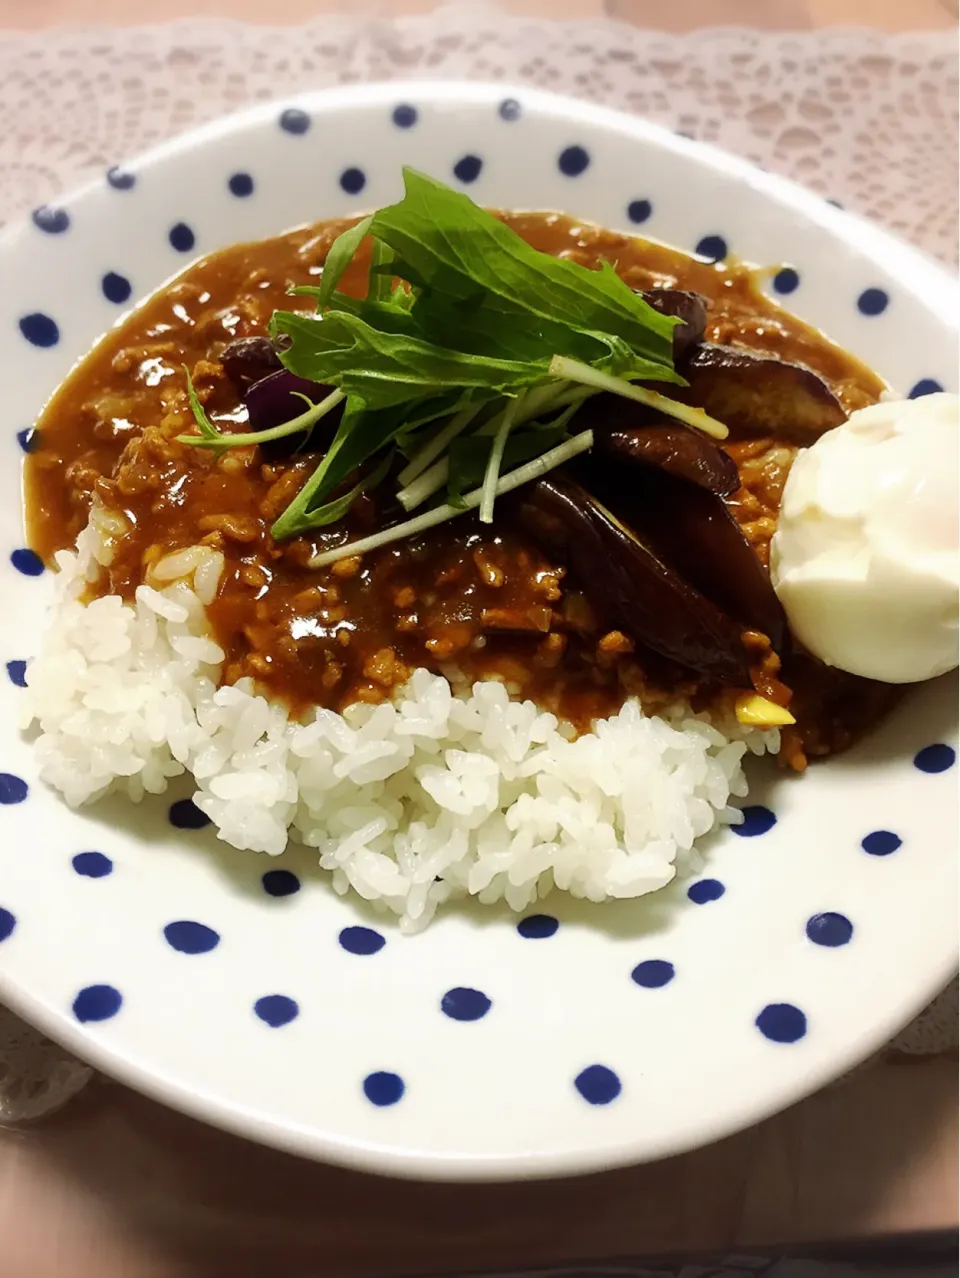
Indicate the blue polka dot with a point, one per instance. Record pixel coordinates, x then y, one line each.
705 890
241 185
383 1088
537 927
361 940
925 386
97 1003
873 301
293 120
467 168
50 220
17 672
685 133
756 820
276 1010
92 865
8 922
713 248
120 179
27 561
28 439
404 116
353 181
639 210
653 973
13 789
598 1085
835 202
280 883
935 758
39 329
116 288
509 110
464 1004
881 842
189 937
782 1023
786 280
829 929
182 237
573 160
185 815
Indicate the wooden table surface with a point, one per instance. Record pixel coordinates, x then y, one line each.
115 1186
118 1187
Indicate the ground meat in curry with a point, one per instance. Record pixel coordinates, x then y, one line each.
465 598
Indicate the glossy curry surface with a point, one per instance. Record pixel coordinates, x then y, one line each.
464 599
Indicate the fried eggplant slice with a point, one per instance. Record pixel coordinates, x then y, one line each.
692 532
248 360
689 307
628 583
676 449
755 395
279 398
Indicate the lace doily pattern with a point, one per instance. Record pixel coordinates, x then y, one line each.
864 118
36 1076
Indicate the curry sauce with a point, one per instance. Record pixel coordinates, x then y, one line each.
462 600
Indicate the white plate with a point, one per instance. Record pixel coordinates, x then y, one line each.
575 1065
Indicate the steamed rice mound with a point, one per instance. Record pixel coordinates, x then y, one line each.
410 803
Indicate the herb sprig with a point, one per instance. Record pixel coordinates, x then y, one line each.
469 354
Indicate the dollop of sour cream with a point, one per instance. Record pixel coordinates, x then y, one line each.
865 558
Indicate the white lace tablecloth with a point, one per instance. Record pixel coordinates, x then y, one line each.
864 118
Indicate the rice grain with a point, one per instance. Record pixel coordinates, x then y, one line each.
410 803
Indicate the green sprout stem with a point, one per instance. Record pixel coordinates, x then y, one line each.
245 439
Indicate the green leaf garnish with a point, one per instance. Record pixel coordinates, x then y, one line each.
341 254
573 371
381 272
461 364
386 369
208 432
495 460
361 435
442 440
245 439
331 511
462 252
525 474
469 457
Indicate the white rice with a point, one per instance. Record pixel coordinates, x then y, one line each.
410 803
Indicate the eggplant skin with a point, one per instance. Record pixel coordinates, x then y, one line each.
628 583
276 399
675 449
637 435
689 307
759 395
248 360
694 534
